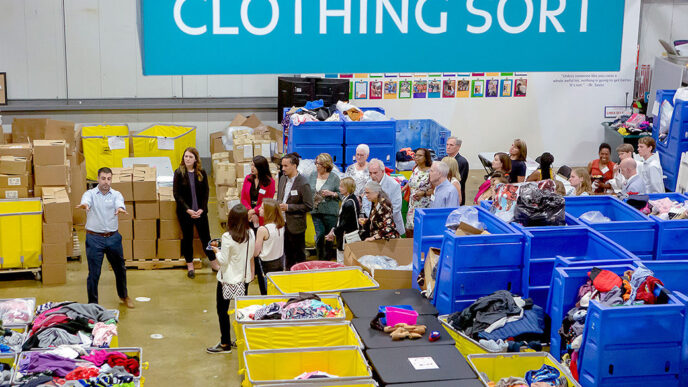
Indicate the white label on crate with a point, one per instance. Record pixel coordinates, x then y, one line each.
423 363
116 143
14 181
165 143
248 152
655 108
11 194
265 151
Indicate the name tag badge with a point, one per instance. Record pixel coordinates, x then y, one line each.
605 170
294 192
261 191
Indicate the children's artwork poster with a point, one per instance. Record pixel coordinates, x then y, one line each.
463 88
420 89
492 88
448 88
521 87
375 89
405 89
478 88
391 89
435 88
507 87
361 90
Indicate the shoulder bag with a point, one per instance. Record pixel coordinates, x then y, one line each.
353 236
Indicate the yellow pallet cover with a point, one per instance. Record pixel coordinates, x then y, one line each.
97 144
503 365
283 365
20 233
165 141
320 281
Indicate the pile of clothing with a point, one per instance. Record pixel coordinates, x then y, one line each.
10 340
74 366
502 322
635 124
18 311
305 306
666 209
71 323
316 111
636 287
5 374
546 376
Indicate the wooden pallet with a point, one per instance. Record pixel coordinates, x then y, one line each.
159 263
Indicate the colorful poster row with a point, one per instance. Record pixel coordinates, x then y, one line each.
439 88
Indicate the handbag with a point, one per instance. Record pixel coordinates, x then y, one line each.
232 291
353 236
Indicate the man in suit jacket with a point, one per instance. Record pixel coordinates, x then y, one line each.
296 200
453 148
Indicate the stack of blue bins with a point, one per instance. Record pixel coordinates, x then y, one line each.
629 228
380 136
644 345
676 142
423 133
473 266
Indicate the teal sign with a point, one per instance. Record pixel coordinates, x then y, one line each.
184 37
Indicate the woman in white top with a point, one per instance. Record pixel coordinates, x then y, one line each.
453 173
581 182
269 250
359 170
236 269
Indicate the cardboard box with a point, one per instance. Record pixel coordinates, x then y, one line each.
198 248
127 250
14 193
54 233
14 165
466 229
14 181
143 249
220 157
130 211
145 186
122 182
225 174
19 150
431 261
243 149
170 229
263 148
146 229
52 175
56 205
242 170
222 210
275 135
54 254
168 206
252 121
29 129
221 191
49 152
399 249
55 274
169 249
216 144
147 210
126 229
7 138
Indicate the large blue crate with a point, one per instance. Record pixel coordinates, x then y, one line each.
676 142
565 284
423 133
380 136
629 228
386 153
473 266
635 345
428 226
672 235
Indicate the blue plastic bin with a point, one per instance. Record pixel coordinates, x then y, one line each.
672 235
380 136
423 133
473 266
628 227
676 142
635 345
386 153
428 226
313 138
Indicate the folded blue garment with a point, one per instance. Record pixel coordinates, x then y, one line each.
533 321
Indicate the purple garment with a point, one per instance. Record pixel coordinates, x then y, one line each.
192 183
36 362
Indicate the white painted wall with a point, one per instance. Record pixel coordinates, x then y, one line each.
661 19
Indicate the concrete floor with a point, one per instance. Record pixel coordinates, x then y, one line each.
180 309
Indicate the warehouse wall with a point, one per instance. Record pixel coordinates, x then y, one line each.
661 19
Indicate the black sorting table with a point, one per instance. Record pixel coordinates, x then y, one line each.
375 339
444 383
365 304
394 365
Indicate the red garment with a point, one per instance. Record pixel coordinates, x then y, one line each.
119 359
595 171
646 290
82 373
263 192
604 280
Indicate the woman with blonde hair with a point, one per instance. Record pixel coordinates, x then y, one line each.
582 183
325 189
269 251
347 222
454 175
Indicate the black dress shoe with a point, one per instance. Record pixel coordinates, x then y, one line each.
191 274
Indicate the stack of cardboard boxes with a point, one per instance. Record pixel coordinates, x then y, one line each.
57 234
16 178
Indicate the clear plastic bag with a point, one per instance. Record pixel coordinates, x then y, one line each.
468 215
228 138
306 167
681 94
665 118
372 115
378 262
595 217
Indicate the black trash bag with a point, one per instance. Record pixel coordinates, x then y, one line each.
538 207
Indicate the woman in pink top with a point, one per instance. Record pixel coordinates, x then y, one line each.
258 185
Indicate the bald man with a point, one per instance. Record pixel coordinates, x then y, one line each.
634 182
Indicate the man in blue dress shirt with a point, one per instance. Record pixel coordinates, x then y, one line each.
103 204
446 196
